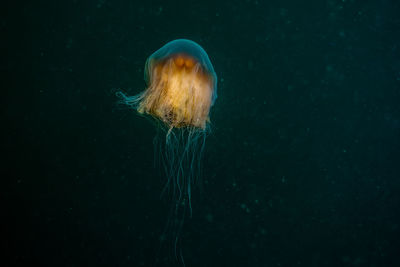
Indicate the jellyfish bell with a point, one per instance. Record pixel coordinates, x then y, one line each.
181 89
182 85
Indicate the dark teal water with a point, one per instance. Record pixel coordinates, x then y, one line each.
301 167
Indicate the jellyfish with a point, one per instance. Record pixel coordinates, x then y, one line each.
181 89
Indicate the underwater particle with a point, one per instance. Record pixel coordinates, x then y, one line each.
209 217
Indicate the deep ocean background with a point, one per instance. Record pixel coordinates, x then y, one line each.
302 167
